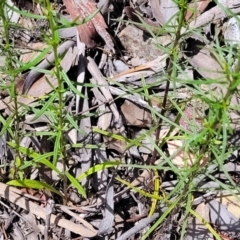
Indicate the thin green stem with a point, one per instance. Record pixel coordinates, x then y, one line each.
54 41
170 71
10 69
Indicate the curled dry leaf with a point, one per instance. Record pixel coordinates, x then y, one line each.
79 9
46 63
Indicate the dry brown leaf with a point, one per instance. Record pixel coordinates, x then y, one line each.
113 143
147 143
206 65
158 15
105 118
147 69
232 33
191 120
137 45
132 70
79 9
196 8
48 62
231 202
163 10
134 115
39 88
182 157
99 80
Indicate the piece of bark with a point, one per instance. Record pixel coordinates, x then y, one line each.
79 9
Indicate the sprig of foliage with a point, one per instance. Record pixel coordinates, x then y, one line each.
9 69
52 106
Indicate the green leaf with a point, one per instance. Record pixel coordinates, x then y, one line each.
144 193
74 124
7 124
88 146
71 86
161 219
112 135
46 105
57 147
76 184
34 61
97 168
64 23
25 13
28 183
48 164
206 224
37 158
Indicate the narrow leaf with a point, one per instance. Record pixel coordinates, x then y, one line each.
76 184
97 168
28 183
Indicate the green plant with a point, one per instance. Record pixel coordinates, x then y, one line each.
203 149
209 145
52 106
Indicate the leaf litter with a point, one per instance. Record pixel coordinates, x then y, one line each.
115 71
